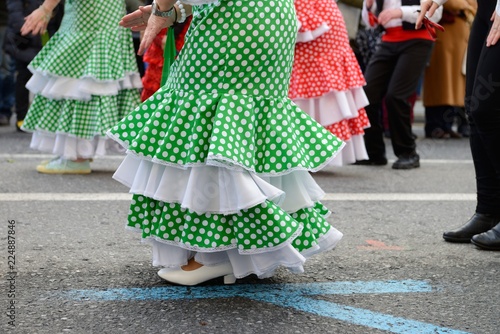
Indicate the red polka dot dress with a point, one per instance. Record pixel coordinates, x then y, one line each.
327 81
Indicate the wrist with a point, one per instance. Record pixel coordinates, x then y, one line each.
159 11
48 6
163 5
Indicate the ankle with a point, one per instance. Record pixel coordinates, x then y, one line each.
191 265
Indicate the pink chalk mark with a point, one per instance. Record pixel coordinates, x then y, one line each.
378 245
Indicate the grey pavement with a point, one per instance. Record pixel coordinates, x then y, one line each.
79 271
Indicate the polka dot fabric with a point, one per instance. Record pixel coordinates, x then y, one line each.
328 62
254 230
269 136
347 128
226 104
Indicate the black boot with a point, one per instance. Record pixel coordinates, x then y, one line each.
489 240
478 223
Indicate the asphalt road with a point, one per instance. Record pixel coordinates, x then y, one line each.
77 270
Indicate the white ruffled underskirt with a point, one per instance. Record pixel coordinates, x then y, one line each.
82 89
334 106
263 264
71 148
309 35
353 151
216 189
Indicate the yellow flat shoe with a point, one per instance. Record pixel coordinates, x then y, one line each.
63 166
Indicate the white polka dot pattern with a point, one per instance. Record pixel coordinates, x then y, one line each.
326 63
257 229
226 101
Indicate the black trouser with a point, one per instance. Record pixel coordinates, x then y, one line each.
482 103
394 72
22 93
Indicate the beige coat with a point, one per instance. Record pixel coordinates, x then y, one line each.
444 82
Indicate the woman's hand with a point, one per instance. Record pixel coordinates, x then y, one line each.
137 20
427 8
494 34
154 25
36 23
142 20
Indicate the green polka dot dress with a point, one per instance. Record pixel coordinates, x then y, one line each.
219 157
85 80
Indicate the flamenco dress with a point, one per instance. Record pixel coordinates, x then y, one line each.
327 81
85 80
218 159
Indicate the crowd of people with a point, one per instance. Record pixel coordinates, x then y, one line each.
220 148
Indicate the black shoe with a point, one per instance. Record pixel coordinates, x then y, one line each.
407 161
489 240
477 224
371 162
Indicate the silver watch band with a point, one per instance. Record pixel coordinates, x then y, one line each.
157 12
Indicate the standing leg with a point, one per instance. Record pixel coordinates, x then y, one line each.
377 76
22 93
482 107
6 83
413 55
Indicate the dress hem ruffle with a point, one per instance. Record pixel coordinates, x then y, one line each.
221 248
71 147
231 165
59 87
218 190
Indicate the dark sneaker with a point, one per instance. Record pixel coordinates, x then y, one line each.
407 161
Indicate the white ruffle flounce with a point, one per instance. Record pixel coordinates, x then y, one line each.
216 189
354 150
82 89
263 265
71 147
334 106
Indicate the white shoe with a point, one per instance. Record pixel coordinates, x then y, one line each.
200 275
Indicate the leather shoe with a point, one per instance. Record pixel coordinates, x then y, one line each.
477 224
200 275
371 162
407 161
489 240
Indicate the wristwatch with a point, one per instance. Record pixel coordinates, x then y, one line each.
157 12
